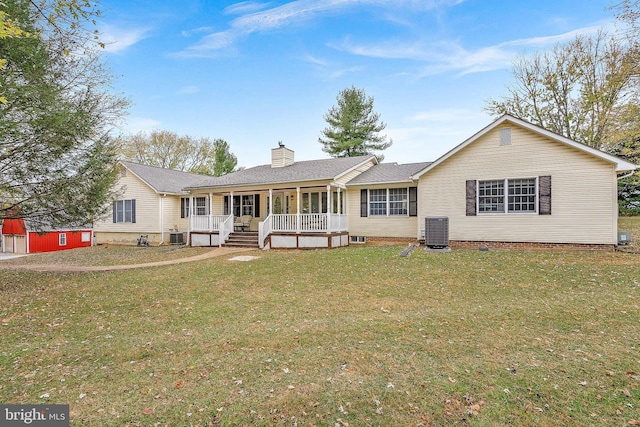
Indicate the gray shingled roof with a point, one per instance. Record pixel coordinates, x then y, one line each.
388 172
309 170
164 180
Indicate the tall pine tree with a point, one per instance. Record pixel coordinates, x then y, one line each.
354 128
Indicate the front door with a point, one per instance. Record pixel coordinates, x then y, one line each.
280 203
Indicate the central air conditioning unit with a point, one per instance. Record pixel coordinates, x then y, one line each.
436 231
176 238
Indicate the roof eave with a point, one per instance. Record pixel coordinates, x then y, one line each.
621 165
360 184
254 184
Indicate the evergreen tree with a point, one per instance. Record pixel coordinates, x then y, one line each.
57 159
353 127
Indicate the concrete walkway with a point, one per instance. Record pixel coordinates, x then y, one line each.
96 268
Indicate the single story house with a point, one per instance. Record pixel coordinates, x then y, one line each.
19 237
512 184
152 202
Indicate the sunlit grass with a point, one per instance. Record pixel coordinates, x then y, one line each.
108 255
357 336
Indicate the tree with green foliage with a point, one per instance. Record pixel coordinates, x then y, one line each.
225 161
166 149
354 128
57 158
577 90
586 90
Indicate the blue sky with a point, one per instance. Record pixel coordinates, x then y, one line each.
258 72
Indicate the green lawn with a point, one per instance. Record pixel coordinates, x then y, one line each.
353 336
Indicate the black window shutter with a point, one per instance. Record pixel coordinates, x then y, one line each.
364 210
544 196
182 212
226 205
471 197
133 211
115 217
413 201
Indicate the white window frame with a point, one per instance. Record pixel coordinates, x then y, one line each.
313 202
124 213
381 205
387 204
62 239
505 186
85 236
200 205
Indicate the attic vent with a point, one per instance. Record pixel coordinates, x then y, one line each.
505 136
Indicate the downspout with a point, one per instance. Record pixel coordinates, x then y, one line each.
162 197
615 239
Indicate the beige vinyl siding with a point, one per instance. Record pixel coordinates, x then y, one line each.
147 208
172 218
357 171
377 226
584 193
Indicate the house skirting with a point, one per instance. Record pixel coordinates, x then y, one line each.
205 238
531 246
307 240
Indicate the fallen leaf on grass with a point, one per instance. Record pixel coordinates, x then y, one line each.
179 384
474 409
626 392
634 422
147 411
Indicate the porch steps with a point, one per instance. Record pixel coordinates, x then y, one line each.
242 239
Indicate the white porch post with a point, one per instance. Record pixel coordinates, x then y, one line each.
231 203
210 220
339 201
329 208
298 210
191 213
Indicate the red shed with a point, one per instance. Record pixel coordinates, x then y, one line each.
17 238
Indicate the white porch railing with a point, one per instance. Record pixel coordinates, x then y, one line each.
264 229
207 222
226 228
305 223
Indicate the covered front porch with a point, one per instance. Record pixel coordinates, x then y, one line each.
300 217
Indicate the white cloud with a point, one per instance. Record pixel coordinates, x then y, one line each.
118 39
188 90
447 56
244 7
140 124
251 21
189 33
